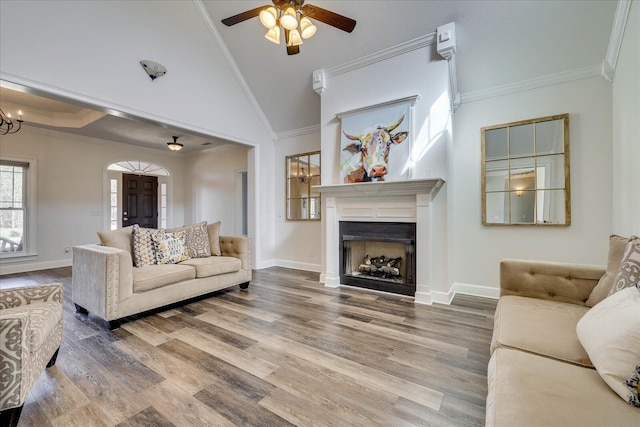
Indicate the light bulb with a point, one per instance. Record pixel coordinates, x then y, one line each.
273 35
294 38
268 17
307 28
289 20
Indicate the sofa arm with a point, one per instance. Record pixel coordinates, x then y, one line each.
101 277
238 247
553 281
16 297
14 346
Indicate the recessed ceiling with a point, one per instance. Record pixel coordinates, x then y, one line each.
42 112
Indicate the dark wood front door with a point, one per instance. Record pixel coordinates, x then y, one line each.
140 200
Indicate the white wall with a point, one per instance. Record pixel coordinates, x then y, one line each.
70 188
475 250
211 187
297 243
626 130
423 72
90 50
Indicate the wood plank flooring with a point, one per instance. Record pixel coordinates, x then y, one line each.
287 351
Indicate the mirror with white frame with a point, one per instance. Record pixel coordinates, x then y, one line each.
302 200
525 172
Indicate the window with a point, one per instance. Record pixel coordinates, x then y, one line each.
163 205
113 191
14 215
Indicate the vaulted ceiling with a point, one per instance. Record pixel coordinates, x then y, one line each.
498 43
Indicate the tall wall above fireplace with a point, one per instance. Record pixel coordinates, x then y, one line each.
397 201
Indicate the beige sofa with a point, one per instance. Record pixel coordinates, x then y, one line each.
106 284
539 373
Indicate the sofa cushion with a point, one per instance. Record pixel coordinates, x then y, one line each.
121 238
143 250
155 276
197 239
214 238
610 332
528 390
539 326
170 247
629 271
214 266
617 245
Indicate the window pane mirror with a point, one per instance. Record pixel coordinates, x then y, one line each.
303 172
525 172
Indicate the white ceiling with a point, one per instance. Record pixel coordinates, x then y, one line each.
498 43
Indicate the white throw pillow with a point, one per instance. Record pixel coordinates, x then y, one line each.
610 334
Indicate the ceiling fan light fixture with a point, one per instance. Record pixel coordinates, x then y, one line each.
289 20
294 38
174 145
307 29
269 17
273 35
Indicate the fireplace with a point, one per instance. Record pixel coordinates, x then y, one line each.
378 255
375 205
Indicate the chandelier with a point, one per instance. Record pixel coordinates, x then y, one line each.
296 26
8 124
303 178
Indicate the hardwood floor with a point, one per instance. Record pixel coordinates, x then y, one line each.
287 351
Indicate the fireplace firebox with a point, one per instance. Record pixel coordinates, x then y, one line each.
378 255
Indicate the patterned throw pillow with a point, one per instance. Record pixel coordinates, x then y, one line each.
197 239
629 271
170 247
144 252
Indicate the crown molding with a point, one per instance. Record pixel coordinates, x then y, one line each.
298 132
390 52
615 40
202 10
552 79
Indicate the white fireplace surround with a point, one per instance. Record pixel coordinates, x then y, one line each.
395 201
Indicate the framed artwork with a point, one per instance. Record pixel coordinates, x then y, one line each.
375 142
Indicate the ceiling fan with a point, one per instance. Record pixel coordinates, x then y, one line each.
294 18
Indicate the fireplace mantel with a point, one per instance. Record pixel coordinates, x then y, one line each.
428 186
388 201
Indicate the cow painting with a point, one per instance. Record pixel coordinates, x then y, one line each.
369 153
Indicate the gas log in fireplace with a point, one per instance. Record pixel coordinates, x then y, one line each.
378 255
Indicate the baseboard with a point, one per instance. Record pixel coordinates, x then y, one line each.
298 265
463 289
33 266
264 264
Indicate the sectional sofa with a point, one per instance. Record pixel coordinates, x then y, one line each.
566 348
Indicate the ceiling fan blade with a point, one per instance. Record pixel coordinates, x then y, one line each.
330 18
236 19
